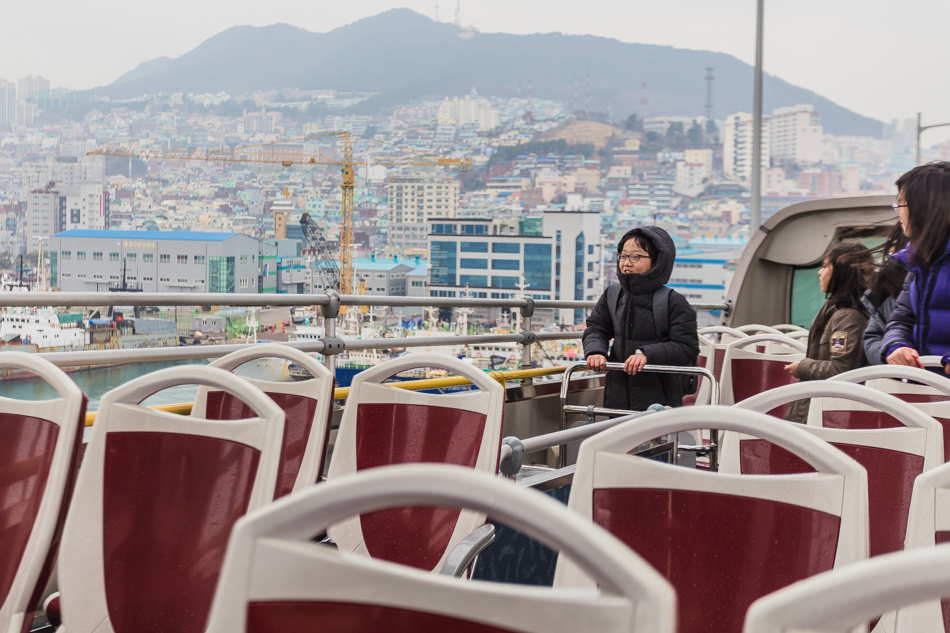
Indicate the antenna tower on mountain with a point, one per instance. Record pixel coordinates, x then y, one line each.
709 100
458 13
587 106
575 95
644 100
436 10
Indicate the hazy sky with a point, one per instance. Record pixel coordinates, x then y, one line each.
881 58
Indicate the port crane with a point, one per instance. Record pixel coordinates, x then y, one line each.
277 153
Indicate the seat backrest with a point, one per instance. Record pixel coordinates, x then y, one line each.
841 601
155 501
747 372
788 328
756 328
706 359
383 426
893 457
928 524
276 577
307 406
39 449
722 540
922 389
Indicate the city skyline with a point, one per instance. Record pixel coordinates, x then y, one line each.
862 64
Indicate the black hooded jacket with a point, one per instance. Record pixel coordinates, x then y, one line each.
635 329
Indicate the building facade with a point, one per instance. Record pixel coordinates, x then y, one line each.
155 261
553 257
413 202
737 134
796 134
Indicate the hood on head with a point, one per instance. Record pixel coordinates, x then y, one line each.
662 269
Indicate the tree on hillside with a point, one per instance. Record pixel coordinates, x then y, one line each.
632 122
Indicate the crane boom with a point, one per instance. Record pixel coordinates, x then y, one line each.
272 153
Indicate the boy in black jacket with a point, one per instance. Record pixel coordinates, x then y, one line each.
627 313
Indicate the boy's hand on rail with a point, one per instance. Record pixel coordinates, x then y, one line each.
634 364
597 362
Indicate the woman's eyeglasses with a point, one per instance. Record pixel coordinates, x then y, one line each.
633 259
897 207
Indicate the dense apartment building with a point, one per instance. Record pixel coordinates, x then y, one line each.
469 111
413 202
737 134
796 134
56 208
155 261
555 256
7 103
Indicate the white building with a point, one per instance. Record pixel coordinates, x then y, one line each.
554 257
796 134
7 103
413 201
737 134
57 208
470 110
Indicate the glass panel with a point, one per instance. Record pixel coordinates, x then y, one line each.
506 247
807 297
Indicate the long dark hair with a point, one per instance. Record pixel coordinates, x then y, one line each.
883 274
925 190
847 282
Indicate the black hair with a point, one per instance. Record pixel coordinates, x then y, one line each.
887 275
925 190
846 285
643 242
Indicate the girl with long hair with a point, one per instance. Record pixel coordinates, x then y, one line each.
920 324
835 338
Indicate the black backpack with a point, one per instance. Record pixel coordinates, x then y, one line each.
661 323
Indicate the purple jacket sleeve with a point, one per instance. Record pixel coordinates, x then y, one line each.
900 327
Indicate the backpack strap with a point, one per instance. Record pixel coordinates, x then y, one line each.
661 312
613 304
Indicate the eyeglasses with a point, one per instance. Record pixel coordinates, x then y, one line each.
633 259
897 207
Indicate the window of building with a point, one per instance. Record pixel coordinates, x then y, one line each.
113 257
148 258
505 264
504 282
418 284
165 258
481 264
164 279
473 280
199 259
182 281
243 280
81 255
506 247
243 259
182 259
97 256
130 257
67 254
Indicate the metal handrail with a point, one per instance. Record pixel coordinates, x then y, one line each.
341 393
591 411
92 299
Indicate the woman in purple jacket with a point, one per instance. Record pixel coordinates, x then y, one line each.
920 324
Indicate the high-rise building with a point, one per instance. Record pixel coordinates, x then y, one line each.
470 110
413 201
556 256
796 134
57 207
7 103
737 135
30 86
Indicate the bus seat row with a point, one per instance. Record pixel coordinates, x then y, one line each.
158 493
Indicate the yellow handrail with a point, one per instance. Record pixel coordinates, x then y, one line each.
184 408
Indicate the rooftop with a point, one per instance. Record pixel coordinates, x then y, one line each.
191 236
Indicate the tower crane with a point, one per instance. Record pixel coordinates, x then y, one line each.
317 244
272 153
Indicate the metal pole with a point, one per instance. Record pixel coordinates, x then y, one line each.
919 130
755 217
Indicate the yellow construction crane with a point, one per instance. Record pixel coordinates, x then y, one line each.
271 153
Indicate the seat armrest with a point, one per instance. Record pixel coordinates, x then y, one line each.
467 549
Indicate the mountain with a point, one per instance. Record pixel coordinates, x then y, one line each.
402 55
